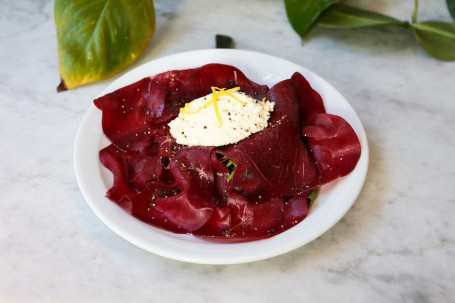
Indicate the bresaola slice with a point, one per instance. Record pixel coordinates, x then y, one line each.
117 161
333 144
265 169
191 206
310 102
185 189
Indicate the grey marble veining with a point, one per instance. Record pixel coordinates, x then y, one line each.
396 244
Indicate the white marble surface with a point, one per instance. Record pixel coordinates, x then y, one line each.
397 244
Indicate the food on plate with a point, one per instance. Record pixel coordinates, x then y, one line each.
245 185
200 124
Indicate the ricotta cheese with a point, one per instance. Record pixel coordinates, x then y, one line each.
221 118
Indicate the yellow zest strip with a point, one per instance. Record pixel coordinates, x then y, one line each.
229 93
216 92
215 106
236 99
187 105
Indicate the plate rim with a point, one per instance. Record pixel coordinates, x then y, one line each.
259 246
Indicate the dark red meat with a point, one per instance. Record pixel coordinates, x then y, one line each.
191 205
275 161
117 161
265 169
185 189
334 145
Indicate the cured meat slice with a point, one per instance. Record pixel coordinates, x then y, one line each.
310 102
333 144
254 219
218 224
296 99
241 220
132 114
295 210
145 166
285 96
125 114
201 80
270 163
275 161
189 201
117 161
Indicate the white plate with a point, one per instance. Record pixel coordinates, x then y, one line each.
334 201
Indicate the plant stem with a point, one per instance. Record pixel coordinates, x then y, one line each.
414 13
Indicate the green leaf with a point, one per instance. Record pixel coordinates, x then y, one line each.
99 38
303 13
437 38
312 197
344 16
451 7
229 165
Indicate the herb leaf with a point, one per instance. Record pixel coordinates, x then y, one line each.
451 7
437 38
312 197
99 38
229 165
344 16
303 13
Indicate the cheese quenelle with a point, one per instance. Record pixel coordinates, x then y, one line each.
223 117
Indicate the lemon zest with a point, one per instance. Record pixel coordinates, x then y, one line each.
216 93
215 106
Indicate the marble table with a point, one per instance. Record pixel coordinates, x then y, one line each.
396 244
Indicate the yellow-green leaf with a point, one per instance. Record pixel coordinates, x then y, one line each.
99 38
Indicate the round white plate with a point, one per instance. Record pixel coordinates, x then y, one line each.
334 200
